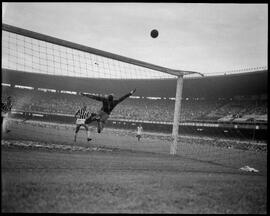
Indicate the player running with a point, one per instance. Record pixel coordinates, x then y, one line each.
108 104
81 115
5 113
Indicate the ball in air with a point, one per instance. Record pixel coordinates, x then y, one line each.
154 33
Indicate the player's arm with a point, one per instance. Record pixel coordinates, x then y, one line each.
76 113
95 97
126 96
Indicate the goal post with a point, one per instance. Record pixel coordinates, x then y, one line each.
29 51
177 111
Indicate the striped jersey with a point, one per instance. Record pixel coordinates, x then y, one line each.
6 107
82 114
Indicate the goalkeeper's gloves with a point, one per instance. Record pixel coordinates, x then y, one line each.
132 92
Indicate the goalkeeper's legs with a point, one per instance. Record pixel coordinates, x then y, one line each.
101 122
100 126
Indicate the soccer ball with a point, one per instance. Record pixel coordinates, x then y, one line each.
154 33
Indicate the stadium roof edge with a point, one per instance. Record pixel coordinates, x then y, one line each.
248 83
229 74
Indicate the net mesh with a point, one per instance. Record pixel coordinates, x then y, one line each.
32 55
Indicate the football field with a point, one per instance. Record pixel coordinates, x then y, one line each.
44 171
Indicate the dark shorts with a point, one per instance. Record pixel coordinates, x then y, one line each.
103 116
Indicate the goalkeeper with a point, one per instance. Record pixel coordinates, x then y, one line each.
108 104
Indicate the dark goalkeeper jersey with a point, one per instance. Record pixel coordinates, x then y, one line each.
107 105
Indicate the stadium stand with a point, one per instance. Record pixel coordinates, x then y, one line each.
161 110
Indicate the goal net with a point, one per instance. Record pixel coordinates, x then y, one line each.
44 74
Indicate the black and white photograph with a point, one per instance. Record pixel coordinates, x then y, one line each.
134 107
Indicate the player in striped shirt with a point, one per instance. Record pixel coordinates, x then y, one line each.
81 115
5 113
108 104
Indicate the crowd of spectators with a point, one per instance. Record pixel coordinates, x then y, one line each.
132 108
238 109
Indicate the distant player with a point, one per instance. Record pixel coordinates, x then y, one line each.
5 113
81 116
139 132
108 104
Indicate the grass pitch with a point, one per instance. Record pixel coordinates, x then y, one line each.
44 171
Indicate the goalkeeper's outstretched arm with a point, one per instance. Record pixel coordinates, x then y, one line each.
95 97
126 96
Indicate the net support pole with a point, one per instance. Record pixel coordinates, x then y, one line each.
177 110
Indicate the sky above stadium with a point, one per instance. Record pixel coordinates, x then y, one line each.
192 36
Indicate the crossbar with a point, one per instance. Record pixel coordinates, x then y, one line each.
57 41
